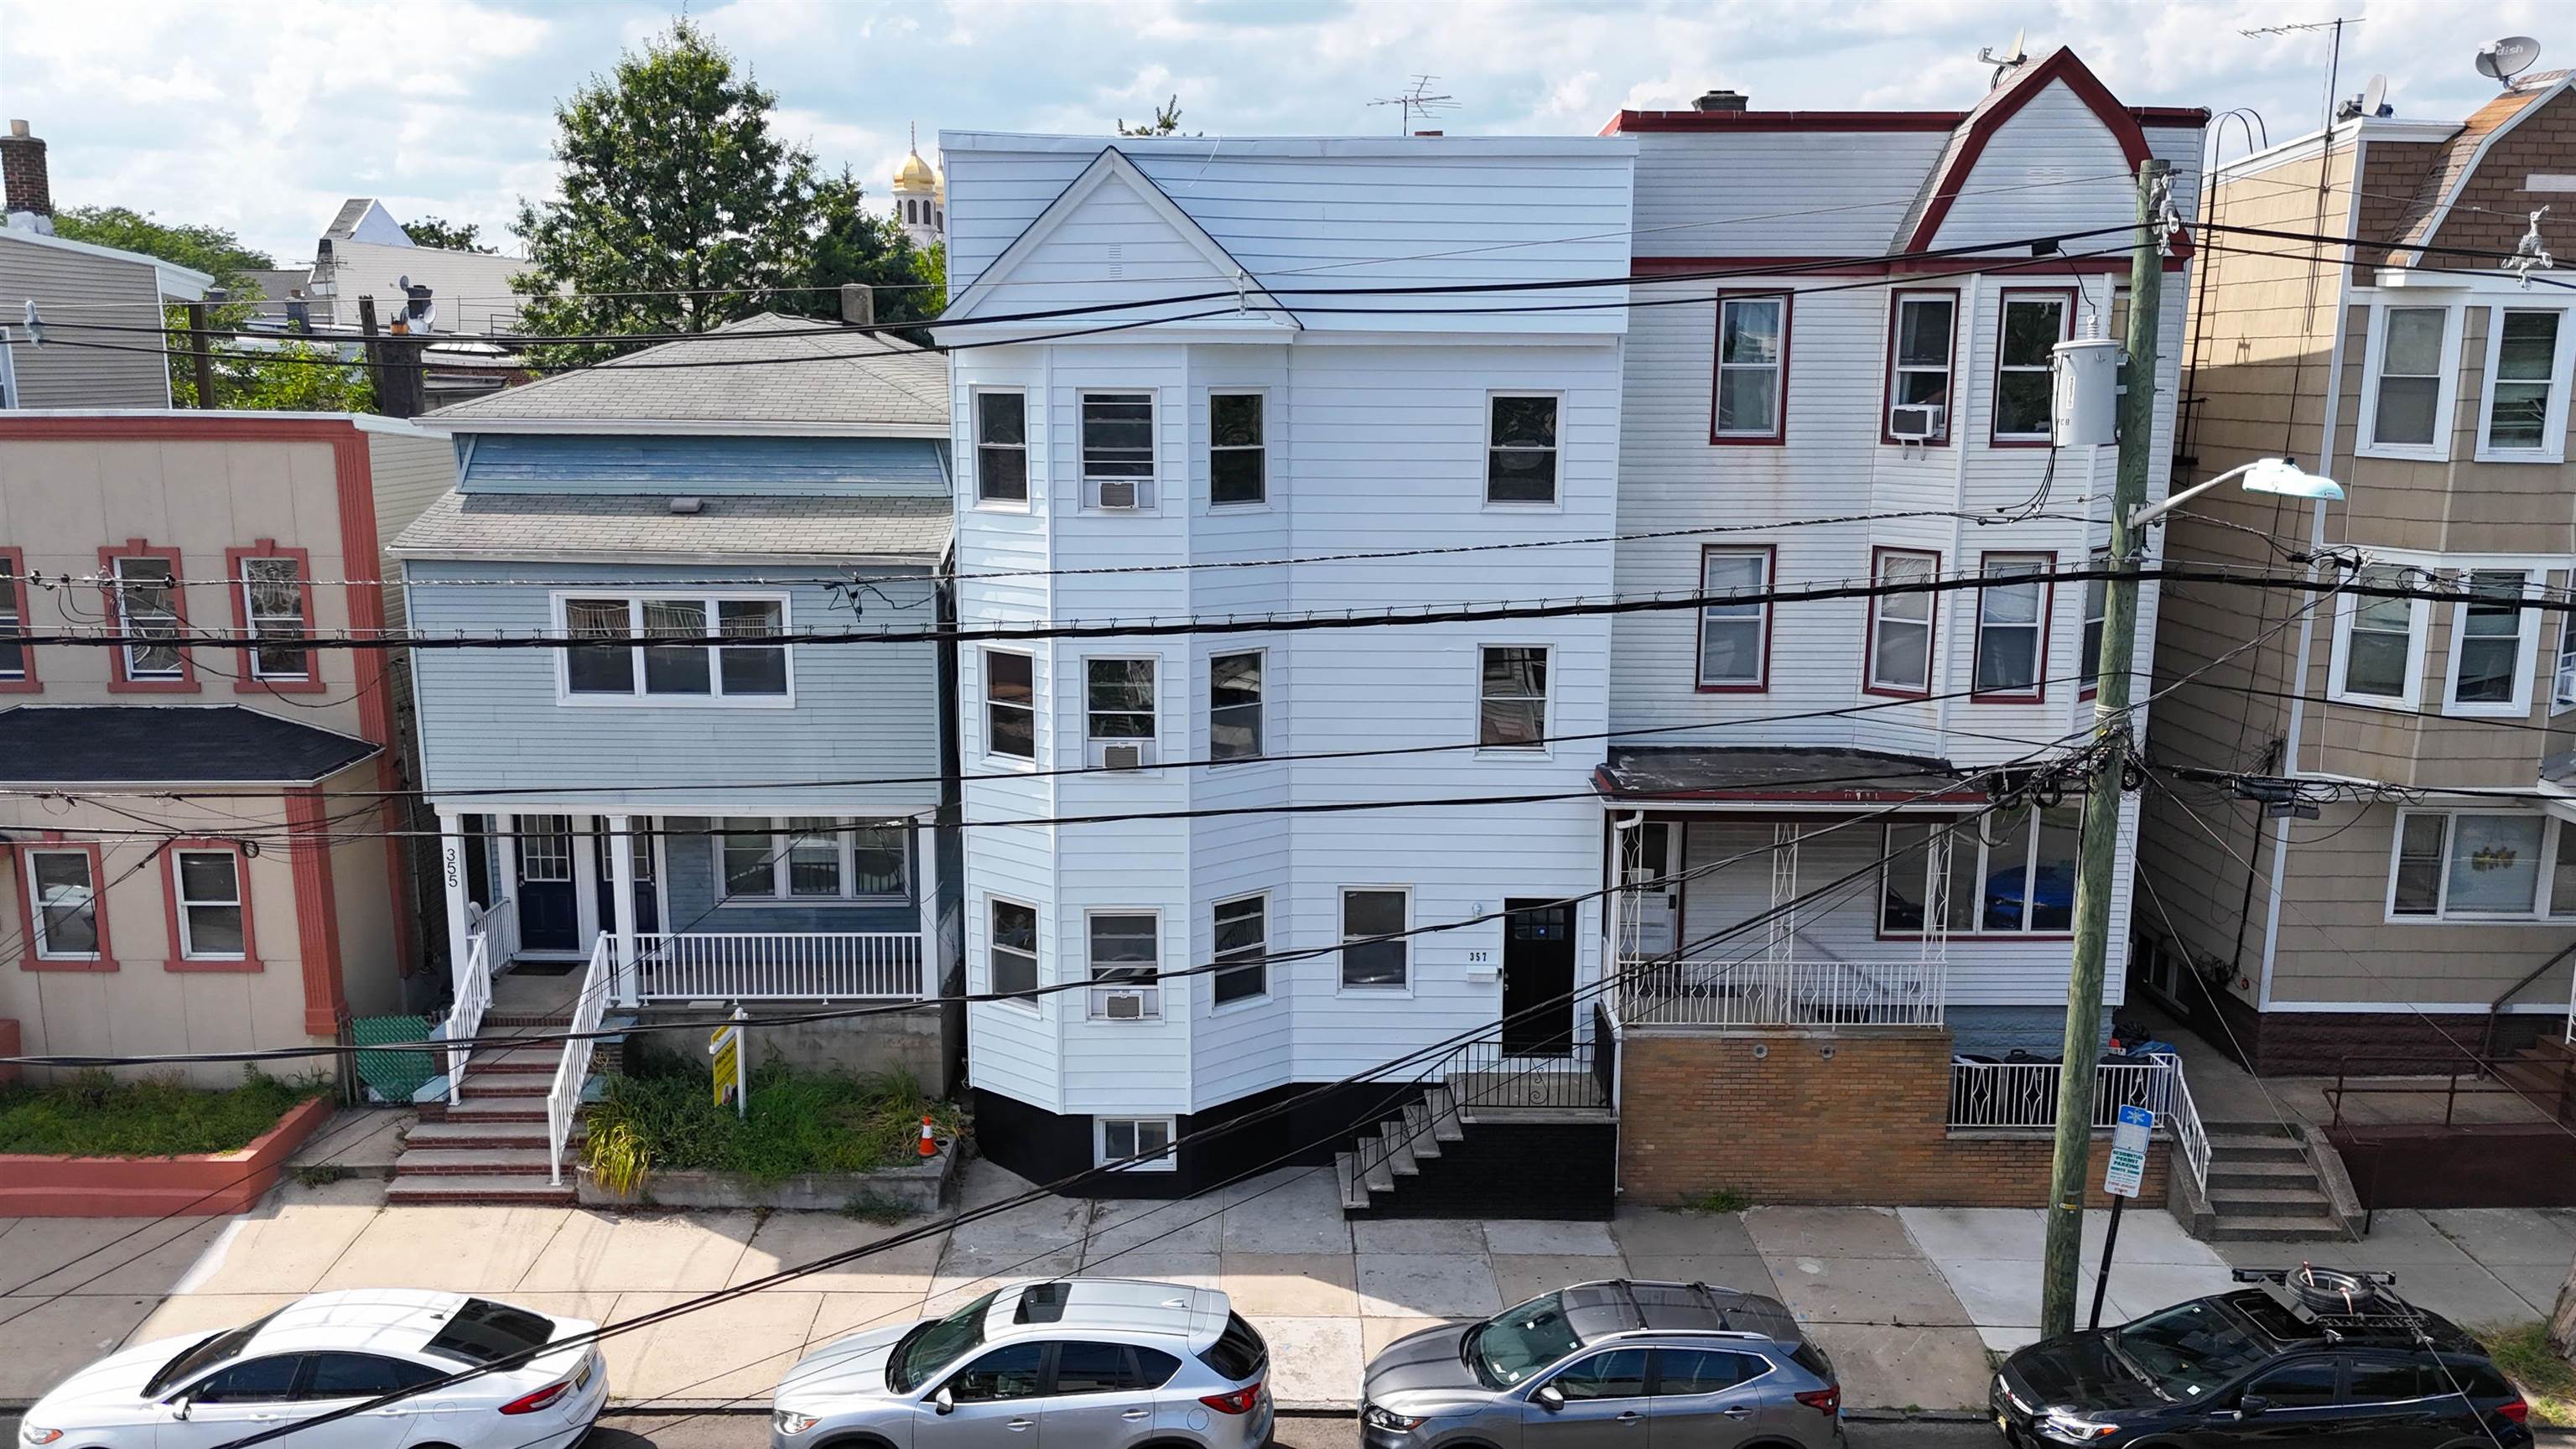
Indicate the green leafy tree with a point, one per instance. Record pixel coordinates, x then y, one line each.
452 236
208 249
1166 122
853 244
294 377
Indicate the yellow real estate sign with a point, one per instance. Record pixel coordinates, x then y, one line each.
725 1045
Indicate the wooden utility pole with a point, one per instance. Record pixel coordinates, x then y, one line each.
198 345
2072 1168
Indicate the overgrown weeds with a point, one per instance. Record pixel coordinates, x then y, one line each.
661 1115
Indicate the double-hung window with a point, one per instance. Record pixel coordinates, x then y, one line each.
2012 627
1125 960
273 607
2097 603
1520 449
1118 712
1511 704
1010 704
608 659
1234 706
1734 638
1002 448
808 858
62 902
1011 952
2473 865
2379 642
2408 407
2562 689
2493 638
148 608
1118 450
1900 624
2012 873
1376 955
1922 334
13 619
206 888
1242 950
2526 402
1752 366
1238 457
2032 325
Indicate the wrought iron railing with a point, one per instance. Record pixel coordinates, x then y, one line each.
1749 993
2024 1094
1489 1073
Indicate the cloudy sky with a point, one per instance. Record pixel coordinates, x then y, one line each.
261 118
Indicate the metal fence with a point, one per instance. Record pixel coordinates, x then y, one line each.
2024 1094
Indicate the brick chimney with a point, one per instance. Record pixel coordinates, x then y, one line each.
28 191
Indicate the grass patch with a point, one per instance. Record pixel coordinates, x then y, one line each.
93 1114
2522 1350
660 1115
322 1174
1720 1200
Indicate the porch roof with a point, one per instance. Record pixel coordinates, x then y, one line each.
514 526
1759 776
159 744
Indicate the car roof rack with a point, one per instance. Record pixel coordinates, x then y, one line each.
1628 1291
2391 1313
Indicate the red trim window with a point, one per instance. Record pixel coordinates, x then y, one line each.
1901 626
146 596
62 908
2028 326
1922 353
1735 639
1749 403
17 661
2097 601
207 907
2012 629
272 595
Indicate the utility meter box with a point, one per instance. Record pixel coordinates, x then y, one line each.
2084 395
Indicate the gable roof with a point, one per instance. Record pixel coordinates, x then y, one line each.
1111 166
2455 161
788 376
364 219
1969 139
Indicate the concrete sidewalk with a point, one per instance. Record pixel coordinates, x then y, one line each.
1908 1301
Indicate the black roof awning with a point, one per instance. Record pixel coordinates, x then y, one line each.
147 744
1752 776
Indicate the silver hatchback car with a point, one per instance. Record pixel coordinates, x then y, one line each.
1609 1363
1077 1363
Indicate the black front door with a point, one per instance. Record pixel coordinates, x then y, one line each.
549 911
612 916
1538 978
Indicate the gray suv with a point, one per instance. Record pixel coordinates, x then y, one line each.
1610 1363
1078 1363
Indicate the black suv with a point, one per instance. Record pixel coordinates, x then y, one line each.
2311 1354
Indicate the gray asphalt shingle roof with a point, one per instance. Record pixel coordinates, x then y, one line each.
141 744
859 379
518 525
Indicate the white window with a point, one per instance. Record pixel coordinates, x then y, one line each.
1922 331
1011 952
2473 865
2407 405
1145 1138
2525 419
2562 691
2012 873
1002 448
809 858
1125 959
2379 642
2033 324
1238 458
1376 955
1118 450
2012 627
1520 450
147 604
13 620
545 848
725 668
63 901
1242 950
208 888
1010 704
1118 712
1900 625
1734 639
273 602
2097 602
1511 697
2493 640
1234 706
1752 358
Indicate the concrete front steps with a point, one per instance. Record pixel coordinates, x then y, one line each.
2262 1188
1399 1147
491 1145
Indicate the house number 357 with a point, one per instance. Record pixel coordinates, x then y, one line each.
1474 957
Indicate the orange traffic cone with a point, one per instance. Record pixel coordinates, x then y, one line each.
929 1148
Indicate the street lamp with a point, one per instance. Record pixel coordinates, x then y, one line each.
2264 475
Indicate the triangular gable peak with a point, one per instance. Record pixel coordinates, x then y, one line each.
1114 237
2045 95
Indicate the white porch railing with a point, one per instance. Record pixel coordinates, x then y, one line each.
563 1104
465 1016
775 966
1744 993
2182 1116
2024 1094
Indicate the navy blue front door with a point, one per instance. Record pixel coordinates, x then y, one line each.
549 911
648 913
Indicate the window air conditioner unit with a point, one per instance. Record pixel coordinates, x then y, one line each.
1119 493
1914 422
1124 757
1123 1005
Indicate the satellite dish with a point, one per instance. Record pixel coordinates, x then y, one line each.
2374 96
403 282
2502 60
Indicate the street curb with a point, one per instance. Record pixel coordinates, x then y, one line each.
1914 1416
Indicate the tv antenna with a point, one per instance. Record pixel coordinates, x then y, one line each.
2501 60
1417 101
2334 51
2011 59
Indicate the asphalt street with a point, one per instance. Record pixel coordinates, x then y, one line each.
1296 1431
